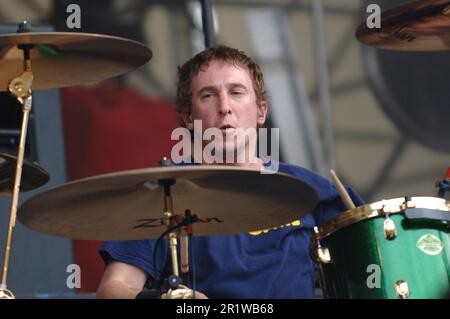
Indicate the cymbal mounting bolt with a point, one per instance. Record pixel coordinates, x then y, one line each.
24 26
165 162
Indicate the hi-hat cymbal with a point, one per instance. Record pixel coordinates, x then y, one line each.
33 176
128 205
61 59
422 25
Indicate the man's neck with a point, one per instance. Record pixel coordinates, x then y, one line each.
253 163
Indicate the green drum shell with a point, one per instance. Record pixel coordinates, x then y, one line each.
364 264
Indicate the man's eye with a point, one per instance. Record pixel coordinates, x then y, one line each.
206 96
237 93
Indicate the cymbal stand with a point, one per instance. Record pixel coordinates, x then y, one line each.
171 220
20 88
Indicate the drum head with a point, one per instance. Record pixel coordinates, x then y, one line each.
380 208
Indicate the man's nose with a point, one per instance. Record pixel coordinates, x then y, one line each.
224 105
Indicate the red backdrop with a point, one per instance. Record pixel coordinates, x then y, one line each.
109 129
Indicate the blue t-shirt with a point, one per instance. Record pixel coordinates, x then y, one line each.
269 263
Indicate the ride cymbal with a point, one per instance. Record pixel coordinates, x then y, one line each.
129 205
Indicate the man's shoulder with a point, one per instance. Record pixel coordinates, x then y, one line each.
324 188
302 172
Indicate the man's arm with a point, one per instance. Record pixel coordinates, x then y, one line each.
121 281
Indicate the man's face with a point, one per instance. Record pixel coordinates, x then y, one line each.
223 97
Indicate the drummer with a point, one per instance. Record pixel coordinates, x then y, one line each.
224 88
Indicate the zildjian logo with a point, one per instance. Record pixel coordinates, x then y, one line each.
154 222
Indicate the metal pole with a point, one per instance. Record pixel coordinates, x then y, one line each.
208 23
323 83
15 199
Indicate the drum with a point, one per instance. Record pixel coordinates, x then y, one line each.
396 248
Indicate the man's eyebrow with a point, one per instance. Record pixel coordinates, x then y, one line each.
206 89
211 88
237 85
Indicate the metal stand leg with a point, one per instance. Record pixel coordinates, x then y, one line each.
20 87
4 292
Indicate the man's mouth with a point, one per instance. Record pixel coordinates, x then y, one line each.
226 129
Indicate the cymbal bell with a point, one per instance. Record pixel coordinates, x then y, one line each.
33 176
422 25
129 205
61 59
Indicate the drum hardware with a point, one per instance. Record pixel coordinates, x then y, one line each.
20 88
409 203
402 289
433 217
321 254
59 60
182 292
419 255
389 229
185 233
173 247
390 232
173 223
177 290
33 176
378 209
176 226
6 293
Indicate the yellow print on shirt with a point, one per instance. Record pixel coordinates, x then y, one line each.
259 232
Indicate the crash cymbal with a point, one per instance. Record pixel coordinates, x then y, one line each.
128 205
33 176
61 59
422 25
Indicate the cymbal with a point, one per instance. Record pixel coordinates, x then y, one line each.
33 176
61 59
422 25
128 205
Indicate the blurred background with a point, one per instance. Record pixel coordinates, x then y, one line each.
379 118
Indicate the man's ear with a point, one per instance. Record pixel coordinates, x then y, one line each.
186 117
263 110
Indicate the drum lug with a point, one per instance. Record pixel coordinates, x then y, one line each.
390 231
402 289
321 253
409 203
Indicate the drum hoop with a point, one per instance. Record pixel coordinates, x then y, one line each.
377 209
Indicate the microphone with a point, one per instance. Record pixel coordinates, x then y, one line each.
184 251
186 231
444 185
